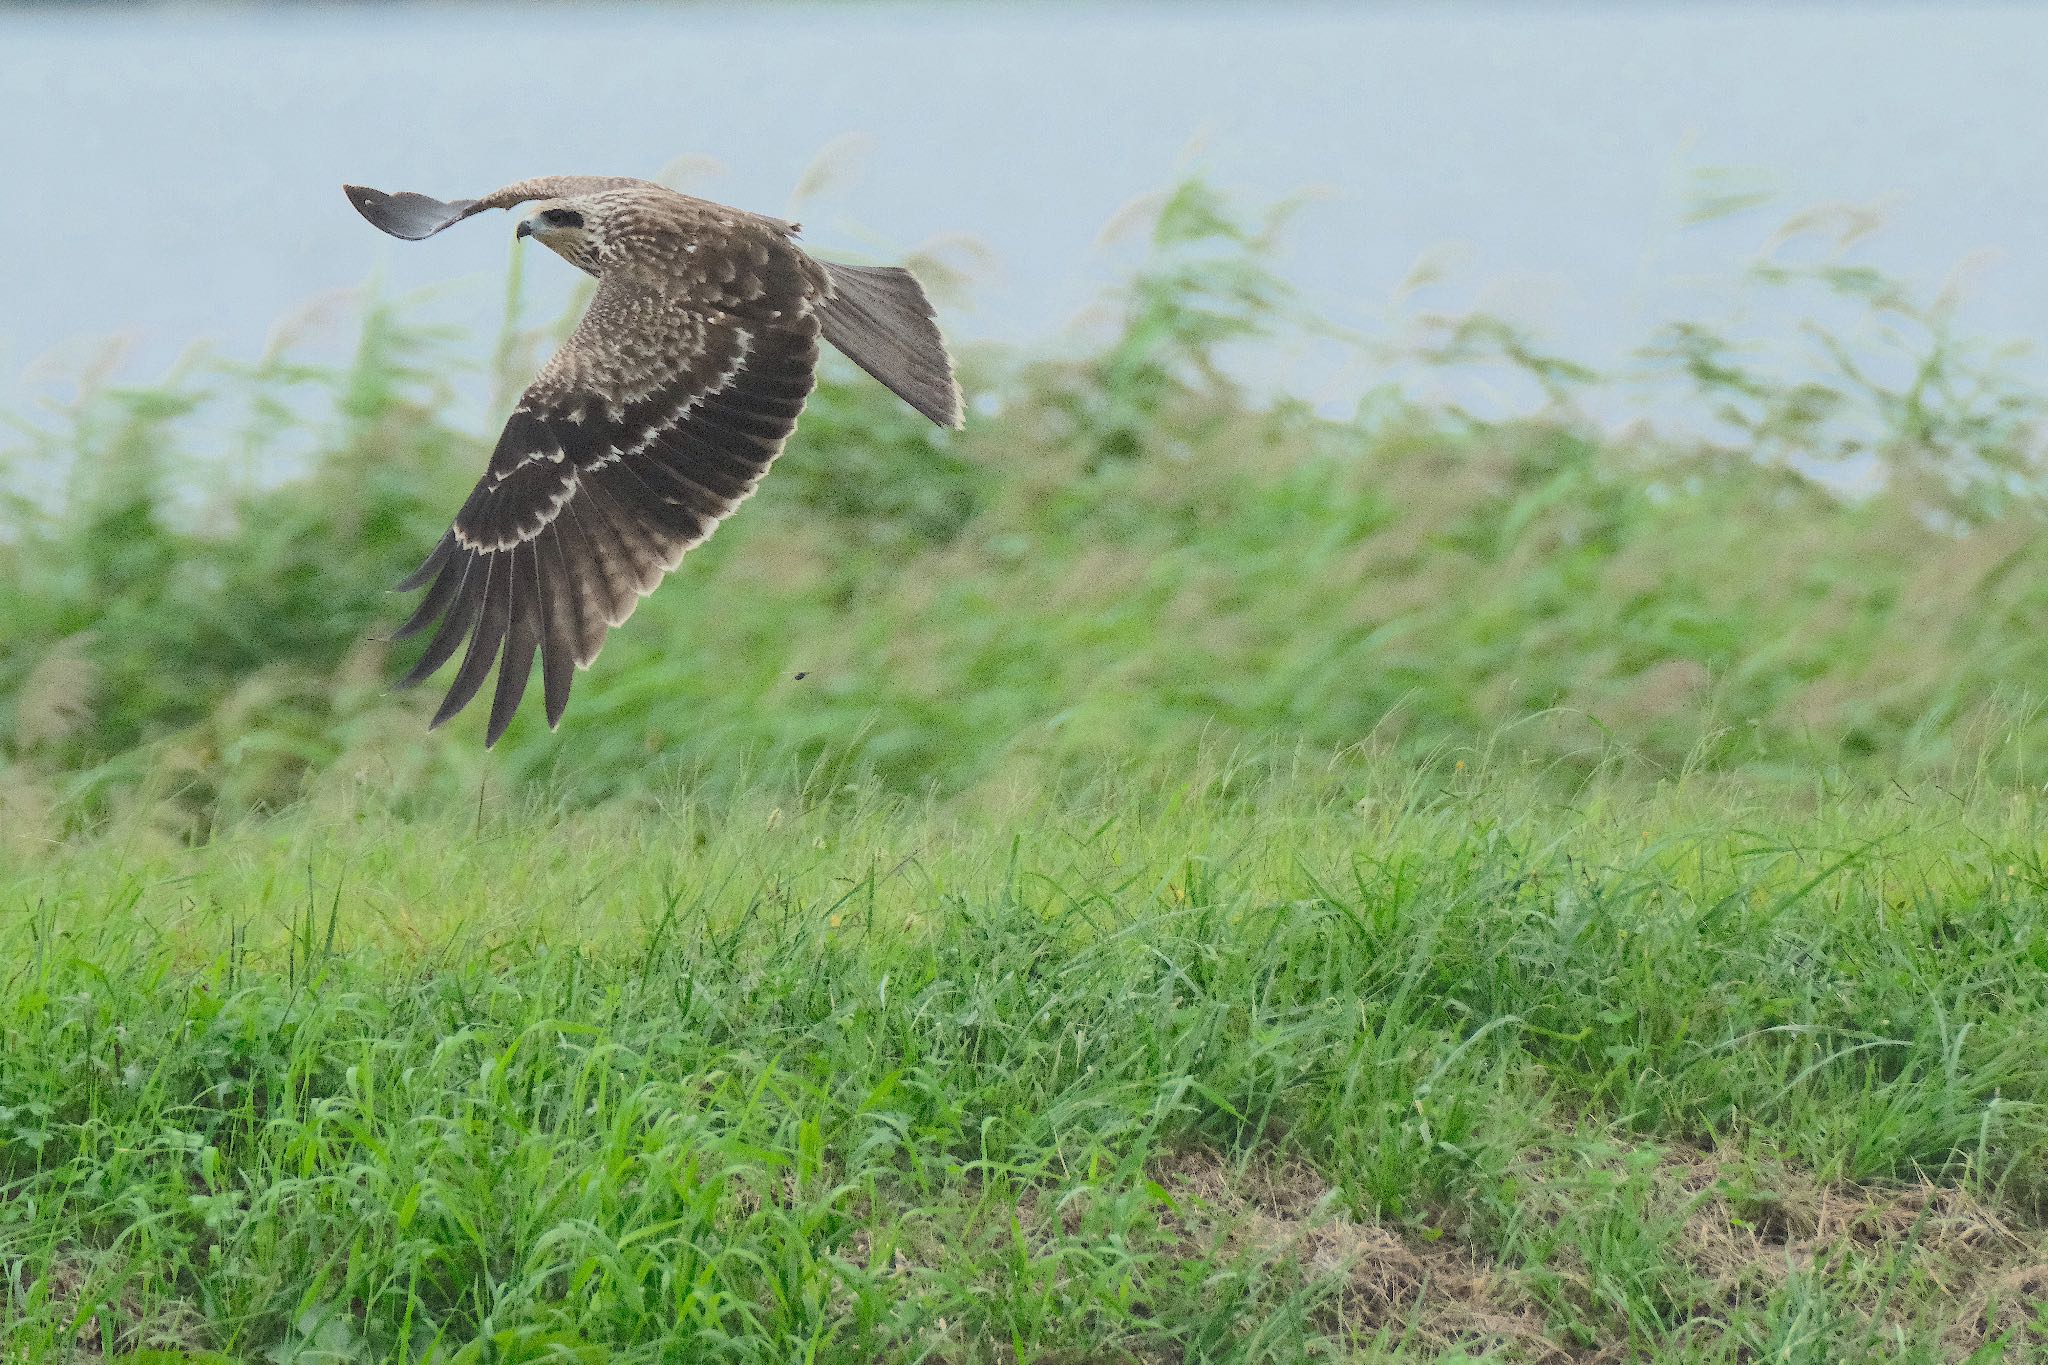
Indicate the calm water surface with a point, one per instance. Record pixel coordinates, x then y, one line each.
174 175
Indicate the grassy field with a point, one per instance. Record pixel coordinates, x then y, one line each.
1154 877
1224 1066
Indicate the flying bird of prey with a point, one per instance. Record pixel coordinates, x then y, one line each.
651 424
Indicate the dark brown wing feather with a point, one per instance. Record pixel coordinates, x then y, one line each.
650 426
408 215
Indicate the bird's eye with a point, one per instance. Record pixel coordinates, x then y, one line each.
563 218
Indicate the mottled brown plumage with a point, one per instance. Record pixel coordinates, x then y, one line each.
651 424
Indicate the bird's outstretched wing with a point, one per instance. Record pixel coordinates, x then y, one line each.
655 420
416 216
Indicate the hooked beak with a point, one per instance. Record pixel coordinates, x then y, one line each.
525 229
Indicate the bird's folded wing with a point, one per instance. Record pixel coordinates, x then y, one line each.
649 427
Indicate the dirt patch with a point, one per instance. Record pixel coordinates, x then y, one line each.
1421 1293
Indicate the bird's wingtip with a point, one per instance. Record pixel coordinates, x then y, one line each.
405 214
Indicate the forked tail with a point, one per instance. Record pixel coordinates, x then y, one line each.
879 316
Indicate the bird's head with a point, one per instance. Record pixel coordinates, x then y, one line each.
571 228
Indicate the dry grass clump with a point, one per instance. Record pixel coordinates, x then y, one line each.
1742 1235
1731 1238
1377 1281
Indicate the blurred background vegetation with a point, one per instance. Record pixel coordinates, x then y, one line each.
1833 566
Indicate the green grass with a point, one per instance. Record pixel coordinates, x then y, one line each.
1230 883
1222 1066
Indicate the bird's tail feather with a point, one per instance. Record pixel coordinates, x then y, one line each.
880 317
